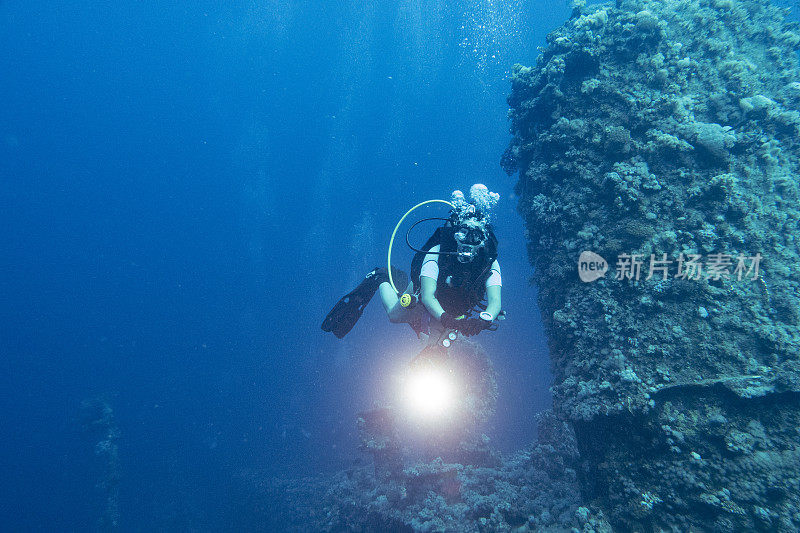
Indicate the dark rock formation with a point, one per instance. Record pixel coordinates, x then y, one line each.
670 127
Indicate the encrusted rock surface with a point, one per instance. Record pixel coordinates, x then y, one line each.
534 489
670 127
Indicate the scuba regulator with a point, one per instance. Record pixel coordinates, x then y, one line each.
408 300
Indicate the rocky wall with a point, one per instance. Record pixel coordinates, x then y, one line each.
663 137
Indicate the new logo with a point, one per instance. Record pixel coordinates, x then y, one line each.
591 266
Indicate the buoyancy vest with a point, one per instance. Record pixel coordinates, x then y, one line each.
460 286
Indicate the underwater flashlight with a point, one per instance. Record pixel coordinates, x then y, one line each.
429 392
448 340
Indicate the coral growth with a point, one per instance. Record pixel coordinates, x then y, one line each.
533 489
667 130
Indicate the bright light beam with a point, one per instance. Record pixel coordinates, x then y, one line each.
429 392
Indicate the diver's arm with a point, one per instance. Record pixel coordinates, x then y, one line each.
429 273
428 296
493 305
493 289
391 303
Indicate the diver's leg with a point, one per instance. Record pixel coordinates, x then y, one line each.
349 308
389 298
391 303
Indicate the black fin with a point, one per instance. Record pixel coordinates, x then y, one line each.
349 309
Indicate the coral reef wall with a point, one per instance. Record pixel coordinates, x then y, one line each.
666 134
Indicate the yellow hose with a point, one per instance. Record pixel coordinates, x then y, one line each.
391 241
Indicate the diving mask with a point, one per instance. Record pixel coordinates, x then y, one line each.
469 240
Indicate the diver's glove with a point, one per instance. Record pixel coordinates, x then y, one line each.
473 326
450 322
467 326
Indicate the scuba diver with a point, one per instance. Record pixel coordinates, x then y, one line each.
452 275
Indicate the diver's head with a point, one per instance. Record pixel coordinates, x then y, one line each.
471 220
470 237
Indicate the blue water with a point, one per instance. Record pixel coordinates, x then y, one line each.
186 188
